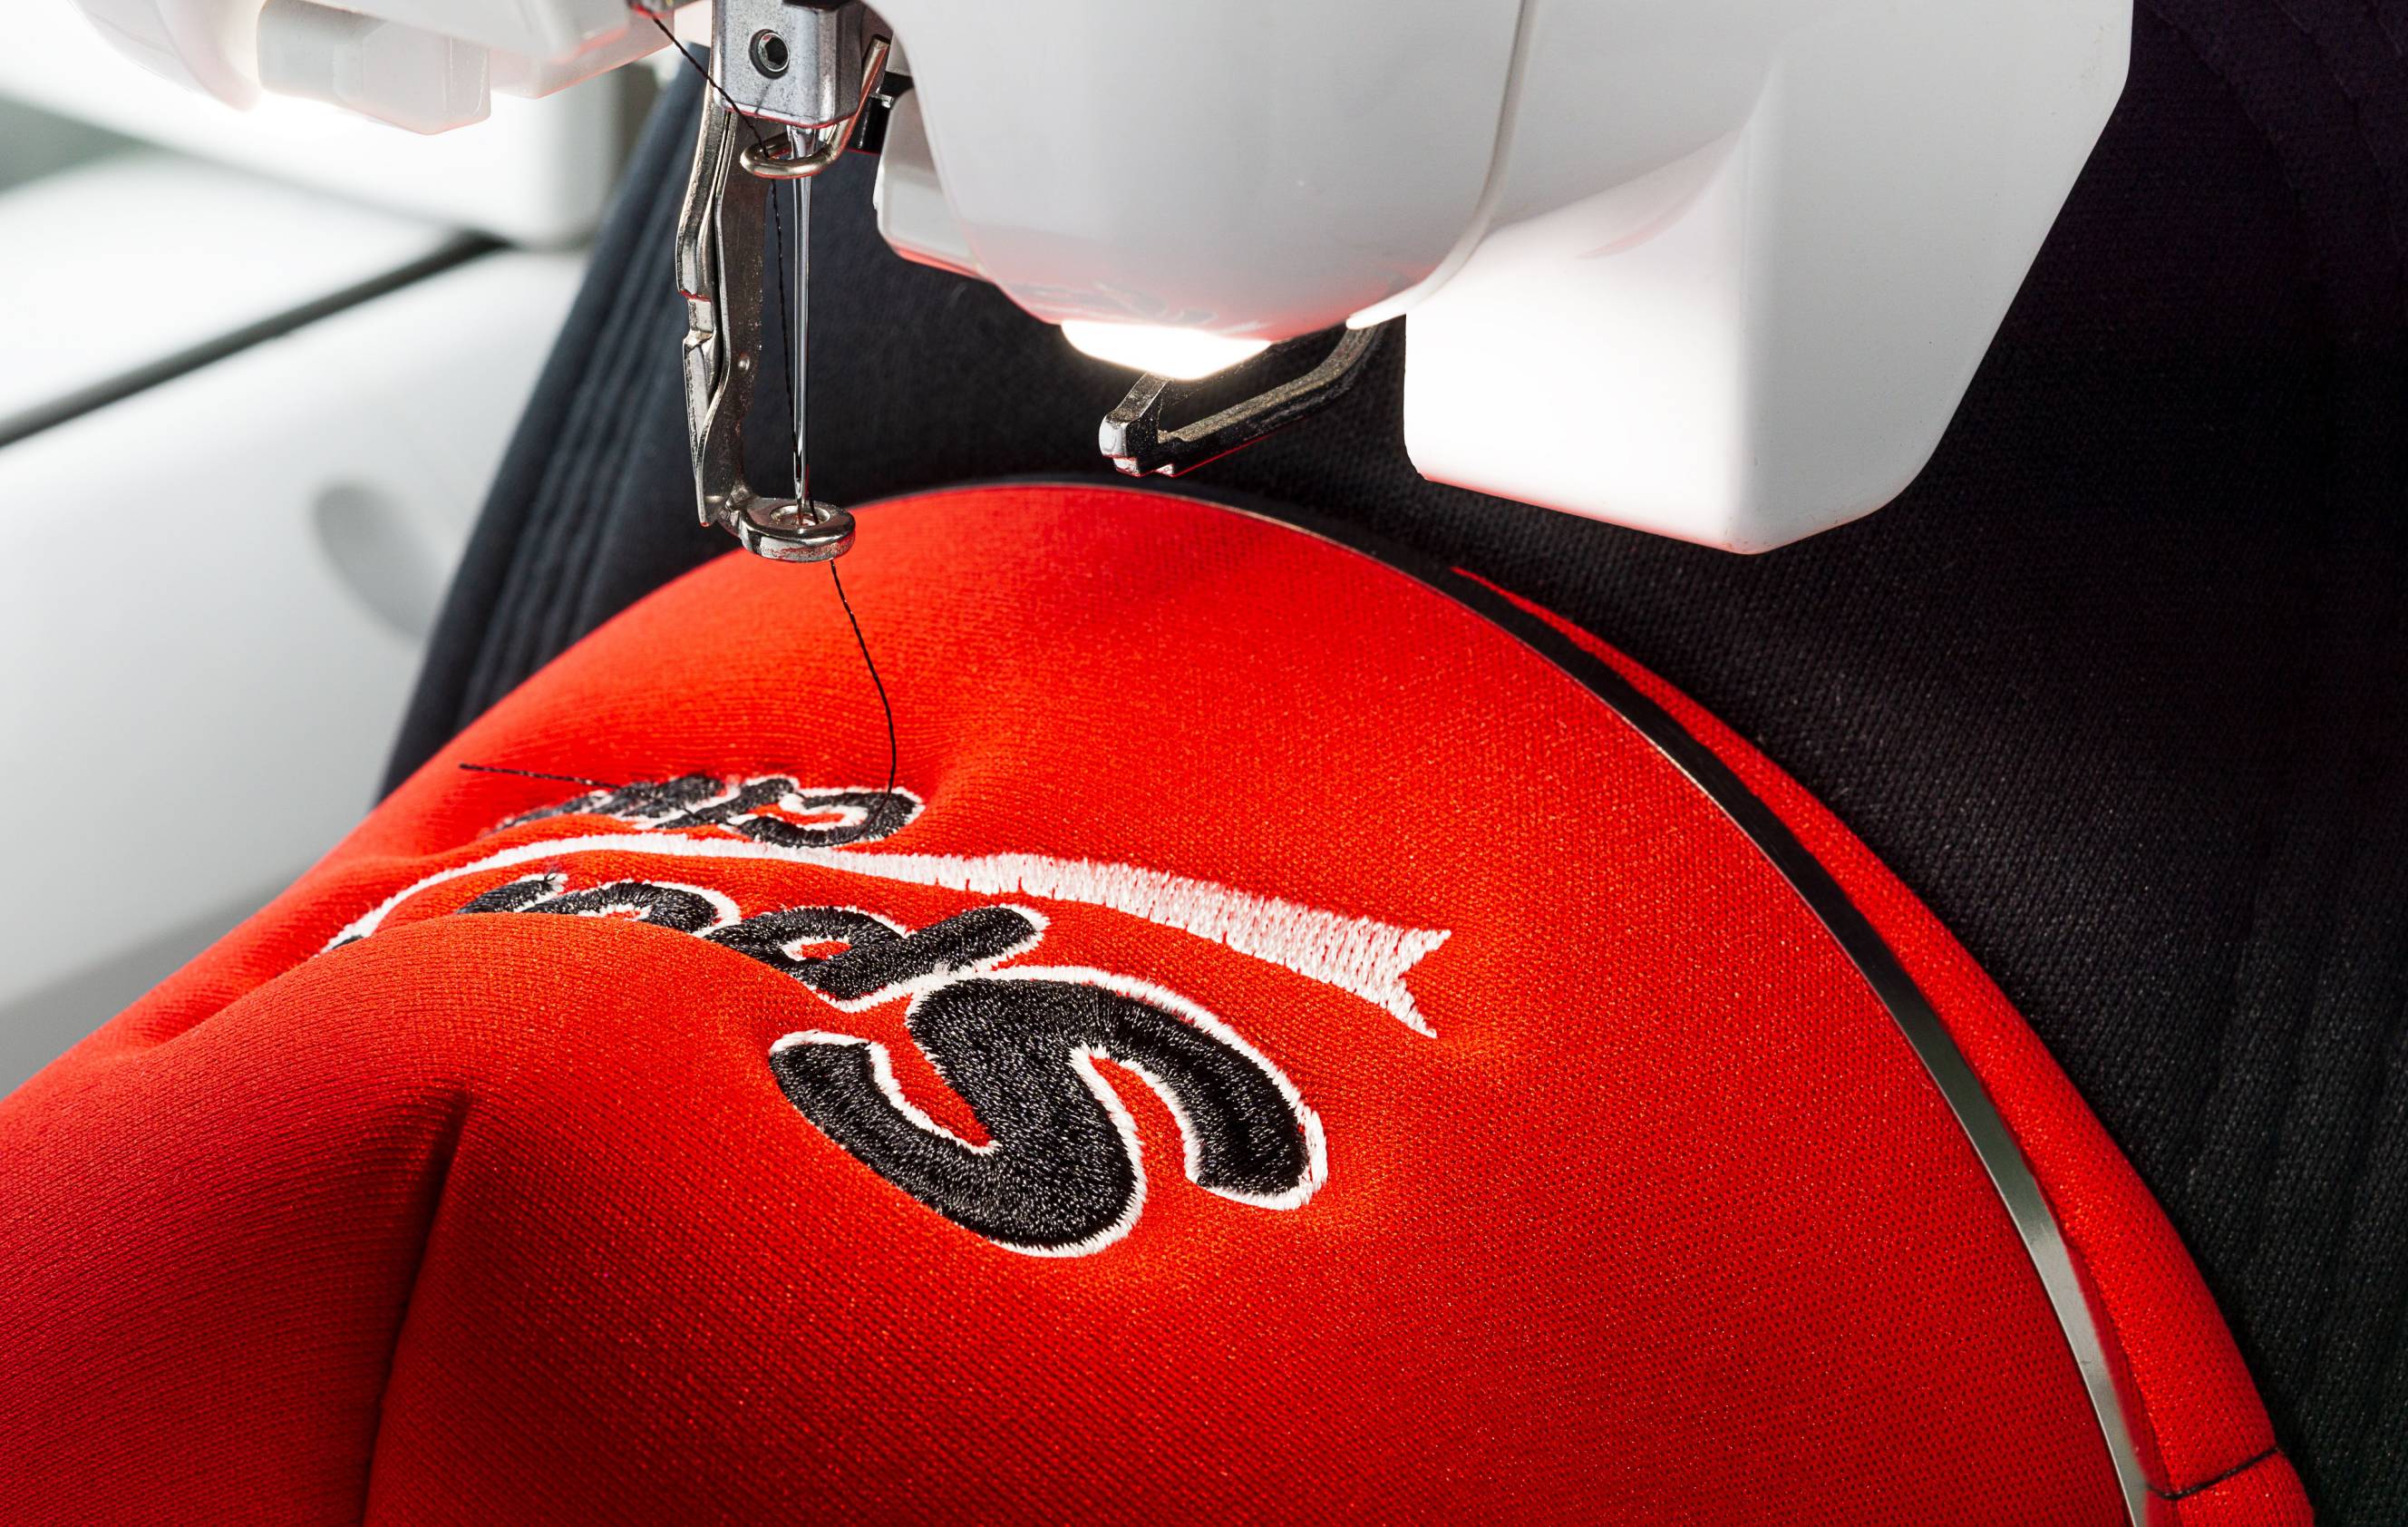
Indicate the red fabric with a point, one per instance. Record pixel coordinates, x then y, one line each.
503 1217
2259 1492
2199 1410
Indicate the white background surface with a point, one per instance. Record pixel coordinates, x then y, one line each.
215 589
213 596
245 249
536 172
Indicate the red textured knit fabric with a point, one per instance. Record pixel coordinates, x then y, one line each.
499 1216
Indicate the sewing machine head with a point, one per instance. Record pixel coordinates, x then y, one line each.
1719 270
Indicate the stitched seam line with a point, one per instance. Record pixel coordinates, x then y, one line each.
2382 171
2213 1480
442 1187
2180 29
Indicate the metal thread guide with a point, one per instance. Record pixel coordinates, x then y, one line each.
789 82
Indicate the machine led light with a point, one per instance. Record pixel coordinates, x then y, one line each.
1159 350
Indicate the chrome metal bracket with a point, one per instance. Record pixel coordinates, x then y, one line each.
719 274
789 85
1134 436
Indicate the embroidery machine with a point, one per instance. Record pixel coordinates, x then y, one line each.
1717 270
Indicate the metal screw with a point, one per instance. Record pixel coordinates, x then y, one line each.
769 53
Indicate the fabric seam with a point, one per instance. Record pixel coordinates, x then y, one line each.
2213 1480
442 1187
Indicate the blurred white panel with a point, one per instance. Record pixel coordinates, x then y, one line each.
35 143
535 171
212 598
147 257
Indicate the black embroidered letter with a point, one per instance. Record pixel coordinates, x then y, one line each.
1060 1175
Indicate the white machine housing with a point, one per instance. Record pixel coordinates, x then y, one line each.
1719 270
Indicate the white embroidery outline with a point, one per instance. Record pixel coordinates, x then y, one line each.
1360 955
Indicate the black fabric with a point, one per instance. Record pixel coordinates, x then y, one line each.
2119 686
577 524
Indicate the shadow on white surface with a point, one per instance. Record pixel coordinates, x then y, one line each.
38 1028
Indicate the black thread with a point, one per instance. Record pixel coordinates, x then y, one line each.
2233 1473
871 663
538 774
1058 1175
674 907
519 895
786 297
777 239
786 339
697 800
875 957
637 790
700 69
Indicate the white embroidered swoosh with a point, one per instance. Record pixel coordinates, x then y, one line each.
1360 955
